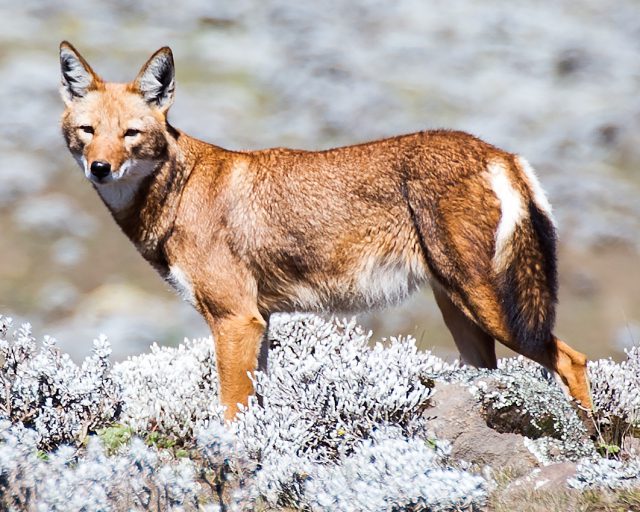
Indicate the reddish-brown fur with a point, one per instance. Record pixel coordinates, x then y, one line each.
246 234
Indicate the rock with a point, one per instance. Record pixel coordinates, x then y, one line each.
485 446
454 411
459 418
547 478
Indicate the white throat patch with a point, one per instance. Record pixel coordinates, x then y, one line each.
118 193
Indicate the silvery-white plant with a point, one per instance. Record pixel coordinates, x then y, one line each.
173 391
615 389
45 390
331 389
607 473
340 420
390 472
326 390
137 478
325 394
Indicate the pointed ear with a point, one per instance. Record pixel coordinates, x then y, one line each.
77 76
156 80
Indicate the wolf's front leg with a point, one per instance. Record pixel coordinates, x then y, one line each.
238 338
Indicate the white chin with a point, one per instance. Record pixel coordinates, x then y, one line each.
100 181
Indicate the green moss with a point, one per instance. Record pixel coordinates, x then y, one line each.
607 450
114 436
160 441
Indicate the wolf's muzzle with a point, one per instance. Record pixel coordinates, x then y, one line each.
100 169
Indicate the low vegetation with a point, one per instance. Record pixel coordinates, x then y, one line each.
343 425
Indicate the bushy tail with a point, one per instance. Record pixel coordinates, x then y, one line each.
528 282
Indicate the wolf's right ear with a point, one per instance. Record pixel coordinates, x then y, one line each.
77 76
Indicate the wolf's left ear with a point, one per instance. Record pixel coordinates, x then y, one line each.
156 80
77 76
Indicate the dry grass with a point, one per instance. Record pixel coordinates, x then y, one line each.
505 499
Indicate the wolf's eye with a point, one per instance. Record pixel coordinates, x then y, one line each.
86 129
131 132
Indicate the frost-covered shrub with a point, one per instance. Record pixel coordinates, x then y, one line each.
327 390
45 390
227 466
173 391
326 396
337 387
615 389
612 474
136 478
343 425
391 472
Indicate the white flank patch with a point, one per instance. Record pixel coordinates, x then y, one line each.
181 283
511 211
539 195
383 283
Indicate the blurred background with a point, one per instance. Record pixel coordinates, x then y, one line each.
557 81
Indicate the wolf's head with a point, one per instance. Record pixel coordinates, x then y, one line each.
118 133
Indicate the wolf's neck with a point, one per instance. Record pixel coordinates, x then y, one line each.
146 207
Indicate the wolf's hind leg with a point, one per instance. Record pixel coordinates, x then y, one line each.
477 348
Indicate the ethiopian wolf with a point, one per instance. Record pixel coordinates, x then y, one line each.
243 234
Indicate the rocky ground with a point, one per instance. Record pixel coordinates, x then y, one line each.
345 425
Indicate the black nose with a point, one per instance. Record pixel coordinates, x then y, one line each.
100 169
